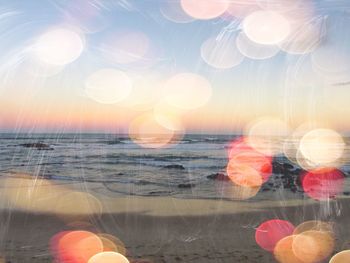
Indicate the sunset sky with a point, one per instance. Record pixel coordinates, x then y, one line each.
48 92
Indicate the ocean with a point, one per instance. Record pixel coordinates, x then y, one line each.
123 167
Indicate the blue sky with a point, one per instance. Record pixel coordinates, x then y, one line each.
252 89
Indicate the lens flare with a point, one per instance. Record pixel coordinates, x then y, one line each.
303 162
147 132
242 9
283 251
290 149
86 15
221 53
255 160
313 246
172 11
270 232
331 59
266 27
341 257
254 50
168 121
313 225
280 5
322 146
127 47
112 243
59 46
76 246
205 9
304 38
187 91
38 69
108 86
243 175
146 92
247 167
242 145
108 257
267 135
323 183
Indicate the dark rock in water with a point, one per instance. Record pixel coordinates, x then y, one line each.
288 166
37 145
113 142
218 176
346 193
186 185
277 168
298 170
174 166
281 168
346 174
212 176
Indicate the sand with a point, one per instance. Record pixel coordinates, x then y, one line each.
159 229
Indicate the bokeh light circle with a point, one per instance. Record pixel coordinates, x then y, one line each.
280 5
187 91
108 257
323 183
242 9
304 163
254 50
204 9
331 59
270 232
266 135
313 225
147 132
112 243
341 257
304 38
172 11
108 86
255 160
313 246
247 167
266 27
221 53
77 246
283 251
146 91
169 121
59 46
243 175
322 146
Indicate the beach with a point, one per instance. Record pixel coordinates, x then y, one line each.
157 205
165 229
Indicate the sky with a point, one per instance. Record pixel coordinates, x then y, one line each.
97 66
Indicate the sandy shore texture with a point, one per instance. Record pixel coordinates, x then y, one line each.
153 229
